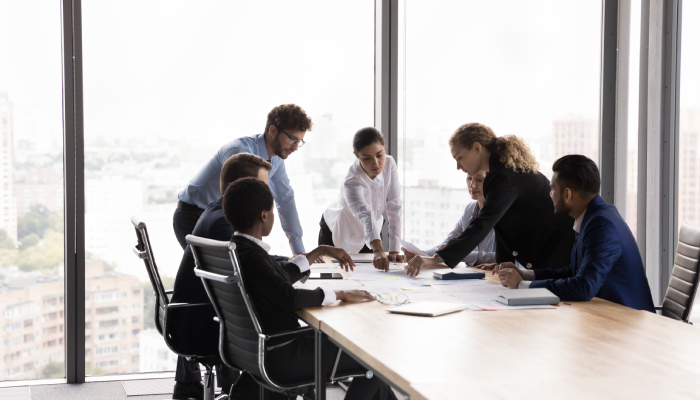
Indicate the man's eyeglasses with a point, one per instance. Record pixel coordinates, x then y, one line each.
292 139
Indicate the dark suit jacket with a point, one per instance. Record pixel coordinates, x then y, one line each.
269 285
189 288
605 263
521 213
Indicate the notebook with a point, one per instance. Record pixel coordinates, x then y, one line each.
526 297
428 309
461 273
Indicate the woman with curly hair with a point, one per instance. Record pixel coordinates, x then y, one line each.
517 206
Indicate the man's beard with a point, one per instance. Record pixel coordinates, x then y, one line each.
560 208
277 147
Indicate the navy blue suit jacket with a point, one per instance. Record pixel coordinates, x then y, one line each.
605 263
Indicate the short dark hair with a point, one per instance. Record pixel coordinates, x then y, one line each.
289 116
579 173
244 200
366 136
243 165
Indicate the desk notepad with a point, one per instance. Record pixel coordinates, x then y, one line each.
428 309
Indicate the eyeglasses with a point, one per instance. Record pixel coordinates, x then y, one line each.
292 139
394 299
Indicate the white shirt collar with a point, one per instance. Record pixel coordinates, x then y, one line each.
579 221
257 241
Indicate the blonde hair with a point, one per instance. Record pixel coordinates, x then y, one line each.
511 150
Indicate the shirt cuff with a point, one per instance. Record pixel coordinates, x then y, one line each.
524 284
329 297
528 275
297 246
302 262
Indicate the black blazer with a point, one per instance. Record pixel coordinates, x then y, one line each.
269 285
189 288
521 213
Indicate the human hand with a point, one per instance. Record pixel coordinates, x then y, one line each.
394 256
414 266
344 259
353 295
320 260
407 254
380 262
506 265
487 267
510 277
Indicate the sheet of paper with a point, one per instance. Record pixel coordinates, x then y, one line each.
412 248
377 275
314 283
465 287
460 282
434 296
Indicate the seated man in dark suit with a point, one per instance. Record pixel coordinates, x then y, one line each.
189 289
248 205
605 260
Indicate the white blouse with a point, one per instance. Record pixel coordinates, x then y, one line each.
355 219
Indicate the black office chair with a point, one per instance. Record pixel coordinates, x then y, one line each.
683 285
164 309
242 343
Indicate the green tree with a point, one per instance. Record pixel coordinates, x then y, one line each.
45 255
53 370
30 240
5 241
37 220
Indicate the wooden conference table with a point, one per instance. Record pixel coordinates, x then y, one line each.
586 350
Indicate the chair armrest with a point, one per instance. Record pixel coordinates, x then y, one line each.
214 277
140 254
287 333
658 308
183 305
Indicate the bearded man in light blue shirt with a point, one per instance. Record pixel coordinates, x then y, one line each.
284 134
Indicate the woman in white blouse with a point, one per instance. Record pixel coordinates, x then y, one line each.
485 252
371 187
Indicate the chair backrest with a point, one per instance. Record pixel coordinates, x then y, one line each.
217 264
683 285
144 251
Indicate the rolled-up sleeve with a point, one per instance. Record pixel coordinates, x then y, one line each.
393 207
287 208
355 197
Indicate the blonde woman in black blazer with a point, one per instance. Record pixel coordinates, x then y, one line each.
517 207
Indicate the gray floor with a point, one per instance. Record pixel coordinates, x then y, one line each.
100 390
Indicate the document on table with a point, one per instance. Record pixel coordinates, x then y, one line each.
412 248
314 283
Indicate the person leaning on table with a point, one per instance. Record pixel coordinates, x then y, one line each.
517 205
248 207
485 252
605 261
354 221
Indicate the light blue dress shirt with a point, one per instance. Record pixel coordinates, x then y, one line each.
204 187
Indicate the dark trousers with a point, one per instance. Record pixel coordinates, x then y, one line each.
295 362
325 237
184 220
188 372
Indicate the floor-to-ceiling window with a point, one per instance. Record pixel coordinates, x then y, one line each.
167 83
31 191
530 69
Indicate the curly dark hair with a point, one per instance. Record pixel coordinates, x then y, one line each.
244 200
289 116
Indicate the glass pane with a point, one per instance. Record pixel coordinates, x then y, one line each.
31 191
165 88
529 69
689 127
630 206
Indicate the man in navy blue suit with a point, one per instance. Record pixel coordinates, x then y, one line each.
195 329
605 261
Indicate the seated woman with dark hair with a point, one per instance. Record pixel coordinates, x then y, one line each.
371 187
248 207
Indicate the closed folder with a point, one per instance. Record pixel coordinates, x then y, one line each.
462 273
527 297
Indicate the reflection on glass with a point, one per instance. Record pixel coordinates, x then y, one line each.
31 192
163 95
529 69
